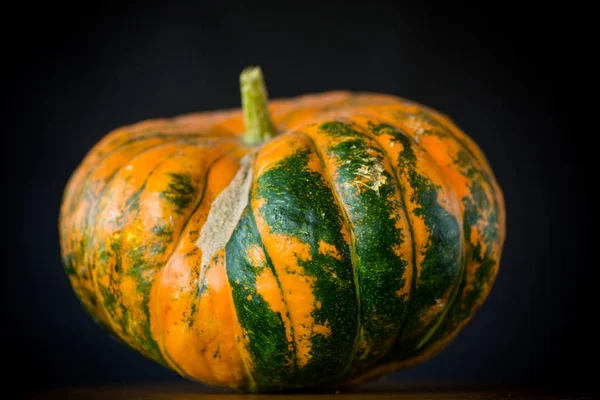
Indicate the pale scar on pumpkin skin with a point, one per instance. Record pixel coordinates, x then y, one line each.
225 213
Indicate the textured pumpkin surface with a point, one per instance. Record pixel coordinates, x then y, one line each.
370 230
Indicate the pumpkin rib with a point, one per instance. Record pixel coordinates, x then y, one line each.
196 331
479 167
388 366
269 262
438 339
433 163
261 243
235 320
94 278
454 296
114 173
235 317
202 275
74 199
166 196
268 350
297 215
352 244
94 211
415 268
187 140
456 288
197 205
91 213
415 272
199 201
344 139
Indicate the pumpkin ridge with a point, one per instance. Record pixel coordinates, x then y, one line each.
439 337
151 346
407 315
92 213
235 318
252 218
268 354
472 255
415 274
352 234
386 365
411 313
453 299
458 288
295 211
77 195
125 338
482 171
197 205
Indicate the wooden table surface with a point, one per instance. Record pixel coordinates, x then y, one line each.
377 392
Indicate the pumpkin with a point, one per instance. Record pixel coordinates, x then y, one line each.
317 241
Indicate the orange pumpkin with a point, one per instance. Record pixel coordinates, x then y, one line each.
322 240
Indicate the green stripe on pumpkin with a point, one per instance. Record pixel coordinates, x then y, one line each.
480 211
262 327
367 190
441 268
476 208
298 202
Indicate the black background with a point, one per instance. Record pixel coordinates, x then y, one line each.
495 69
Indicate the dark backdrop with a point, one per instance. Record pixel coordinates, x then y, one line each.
495 69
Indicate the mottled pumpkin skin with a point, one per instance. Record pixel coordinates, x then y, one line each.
373 232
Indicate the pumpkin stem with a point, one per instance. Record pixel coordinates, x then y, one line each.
255 102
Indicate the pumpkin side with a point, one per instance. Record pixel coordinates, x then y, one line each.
483 224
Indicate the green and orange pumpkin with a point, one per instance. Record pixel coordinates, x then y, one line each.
322 240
